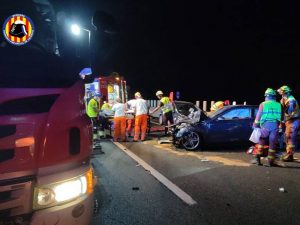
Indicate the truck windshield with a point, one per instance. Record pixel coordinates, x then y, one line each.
23 67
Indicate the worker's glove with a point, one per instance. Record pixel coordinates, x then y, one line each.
255 125
281 128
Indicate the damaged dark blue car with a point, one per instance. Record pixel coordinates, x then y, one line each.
230 125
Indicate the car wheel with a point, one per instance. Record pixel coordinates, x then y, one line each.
191 141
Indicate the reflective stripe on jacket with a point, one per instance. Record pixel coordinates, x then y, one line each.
271 112
91 108
293 113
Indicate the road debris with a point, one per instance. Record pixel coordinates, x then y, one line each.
281 189
204 160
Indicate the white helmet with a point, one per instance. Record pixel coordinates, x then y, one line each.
159 93
137 94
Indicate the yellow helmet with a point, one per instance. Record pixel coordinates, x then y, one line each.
159 93
270 92
284 89
218 105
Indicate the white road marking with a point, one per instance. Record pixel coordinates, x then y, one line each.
170 185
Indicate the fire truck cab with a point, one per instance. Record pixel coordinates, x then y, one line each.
45 135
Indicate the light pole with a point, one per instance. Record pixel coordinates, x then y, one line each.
76 30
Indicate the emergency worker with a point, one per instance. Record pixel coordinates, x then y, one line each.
217 106
130 105
167 109
119 120
93 112
291 119
141 117
268 118
105 113
105 106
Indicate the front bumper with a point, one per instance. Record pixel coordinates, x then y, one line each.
78 212
182 132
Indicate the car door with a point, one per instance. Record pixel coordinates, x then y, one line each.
234 125
243 125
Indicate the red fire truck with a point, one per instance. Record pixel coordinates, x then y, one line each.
45 135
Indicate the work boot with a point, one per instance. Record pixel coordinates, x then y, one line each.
272 163
101 134
256 160
269 163
287 158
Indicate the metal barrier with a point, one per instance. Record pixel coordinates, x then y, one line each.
203 106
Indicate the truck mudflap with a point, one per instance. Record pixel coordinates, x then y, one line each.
78 212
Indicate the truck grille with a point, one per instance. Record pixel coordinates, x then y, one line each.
7 130
4 196
15 198
6 154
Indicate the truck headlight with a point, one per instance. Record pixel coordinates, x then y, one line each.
63 191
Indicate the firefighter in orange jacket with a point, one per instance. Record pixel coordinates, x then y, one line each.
291 119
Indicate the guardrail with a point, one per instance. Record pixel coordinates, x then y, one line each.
205 106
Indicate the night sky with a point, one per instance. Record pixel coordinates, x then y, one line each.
210 50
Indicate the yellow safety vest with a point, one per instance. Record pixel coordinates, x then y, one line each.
271 112
105 106
167 107
91 111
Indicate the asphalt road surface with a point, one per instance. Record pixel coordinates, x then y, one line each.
226 188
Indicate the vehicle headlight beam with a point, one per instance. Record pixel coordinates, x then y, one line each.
63 191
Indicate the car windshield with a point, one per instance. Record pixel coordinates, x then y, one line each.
184 107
